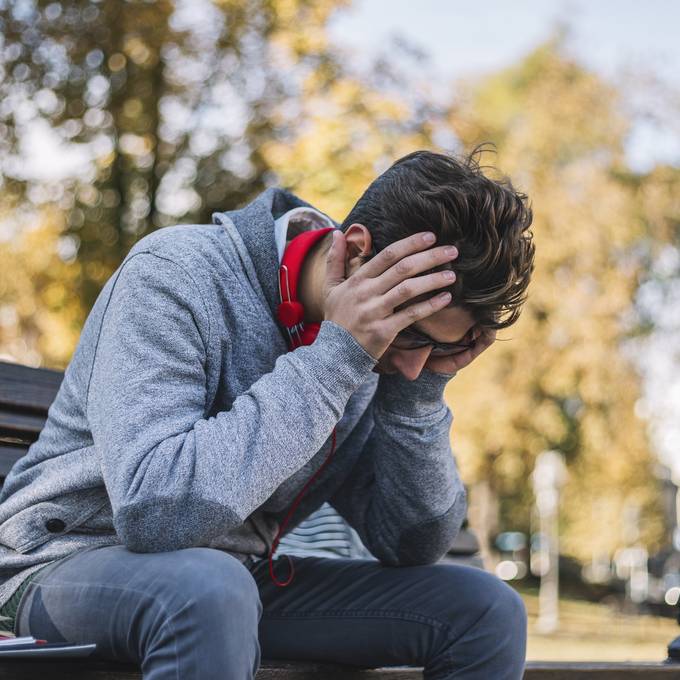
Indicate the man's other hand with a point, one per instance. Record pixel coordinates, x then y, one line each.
482 338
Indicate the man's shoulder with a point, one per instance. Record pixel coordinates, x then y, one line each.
200 249
180 240
187 257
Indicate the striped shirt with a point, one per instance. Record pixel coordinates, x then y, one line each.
323 534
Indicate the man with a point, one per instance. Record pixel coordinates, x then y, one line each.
185 431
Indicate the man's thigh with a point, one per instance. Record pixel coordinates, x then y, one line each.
128 602
362 613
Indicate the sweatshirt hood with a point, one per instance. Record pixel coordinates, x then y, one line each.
255 225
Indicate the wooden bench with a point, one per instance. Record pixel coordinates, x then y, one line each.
25 397
110 670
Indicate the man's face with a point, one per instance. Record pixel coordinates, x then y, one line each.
450 324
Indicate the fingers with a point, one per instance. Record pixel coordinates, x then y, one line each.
417 311
335 260
411 288
413 265
394 252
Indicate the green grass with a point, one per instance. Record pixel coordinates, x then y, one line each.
595 632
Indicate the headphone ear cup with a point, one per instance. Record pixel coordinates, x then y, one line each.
290 313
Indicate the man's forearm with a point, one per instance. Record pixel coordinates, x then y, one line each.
405 497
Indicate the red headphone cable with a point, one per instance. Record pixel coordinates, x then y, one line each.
290 313
293 507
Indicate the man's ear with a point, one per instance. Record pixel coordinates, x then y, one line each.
359 247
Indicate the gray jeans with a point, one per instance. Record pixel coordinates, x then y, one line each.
199 613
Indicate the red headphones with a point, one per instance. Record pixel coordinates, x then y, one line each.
290 313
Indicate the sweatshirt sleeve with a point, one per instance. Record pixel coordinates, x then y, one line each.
404 496
175 477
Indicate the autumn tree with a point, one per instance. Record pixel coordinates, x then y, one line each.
560 379
170 106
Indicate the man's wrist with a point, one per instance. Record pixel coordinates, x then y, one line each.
339 361
418 397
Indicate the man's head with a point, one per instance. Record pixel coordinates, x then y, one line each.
487 220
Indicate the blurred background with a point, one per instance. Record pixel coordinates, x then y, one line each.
117 118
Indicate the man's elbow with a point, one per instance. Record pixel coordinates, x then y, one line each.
164 524
428 542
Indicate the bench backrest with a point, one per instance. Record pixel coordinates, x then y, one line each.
25 397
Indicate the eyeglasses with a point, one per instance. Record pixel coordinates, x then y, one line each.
410 338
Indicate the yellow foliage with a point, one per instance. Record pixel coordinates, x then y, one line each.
561 381
40 317
343 144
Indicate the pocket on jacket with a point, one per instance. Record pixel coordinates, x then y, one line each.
44 521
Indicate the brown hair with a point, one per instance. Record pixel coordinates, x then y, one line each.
487 220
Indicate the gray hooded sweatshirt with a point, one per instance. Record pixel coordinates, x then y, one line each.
183 420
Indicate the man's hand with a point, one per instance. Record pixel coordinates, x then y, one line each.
364 303
452 364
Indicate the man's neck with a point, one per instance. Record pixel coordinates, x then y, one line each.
311 282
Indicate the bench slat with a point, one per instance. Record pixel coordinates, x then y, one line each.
9 455
88 669
589 670
25 426
23 387
104 670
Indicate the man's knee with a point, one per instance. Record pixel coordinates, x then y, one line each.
506 607
481 600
